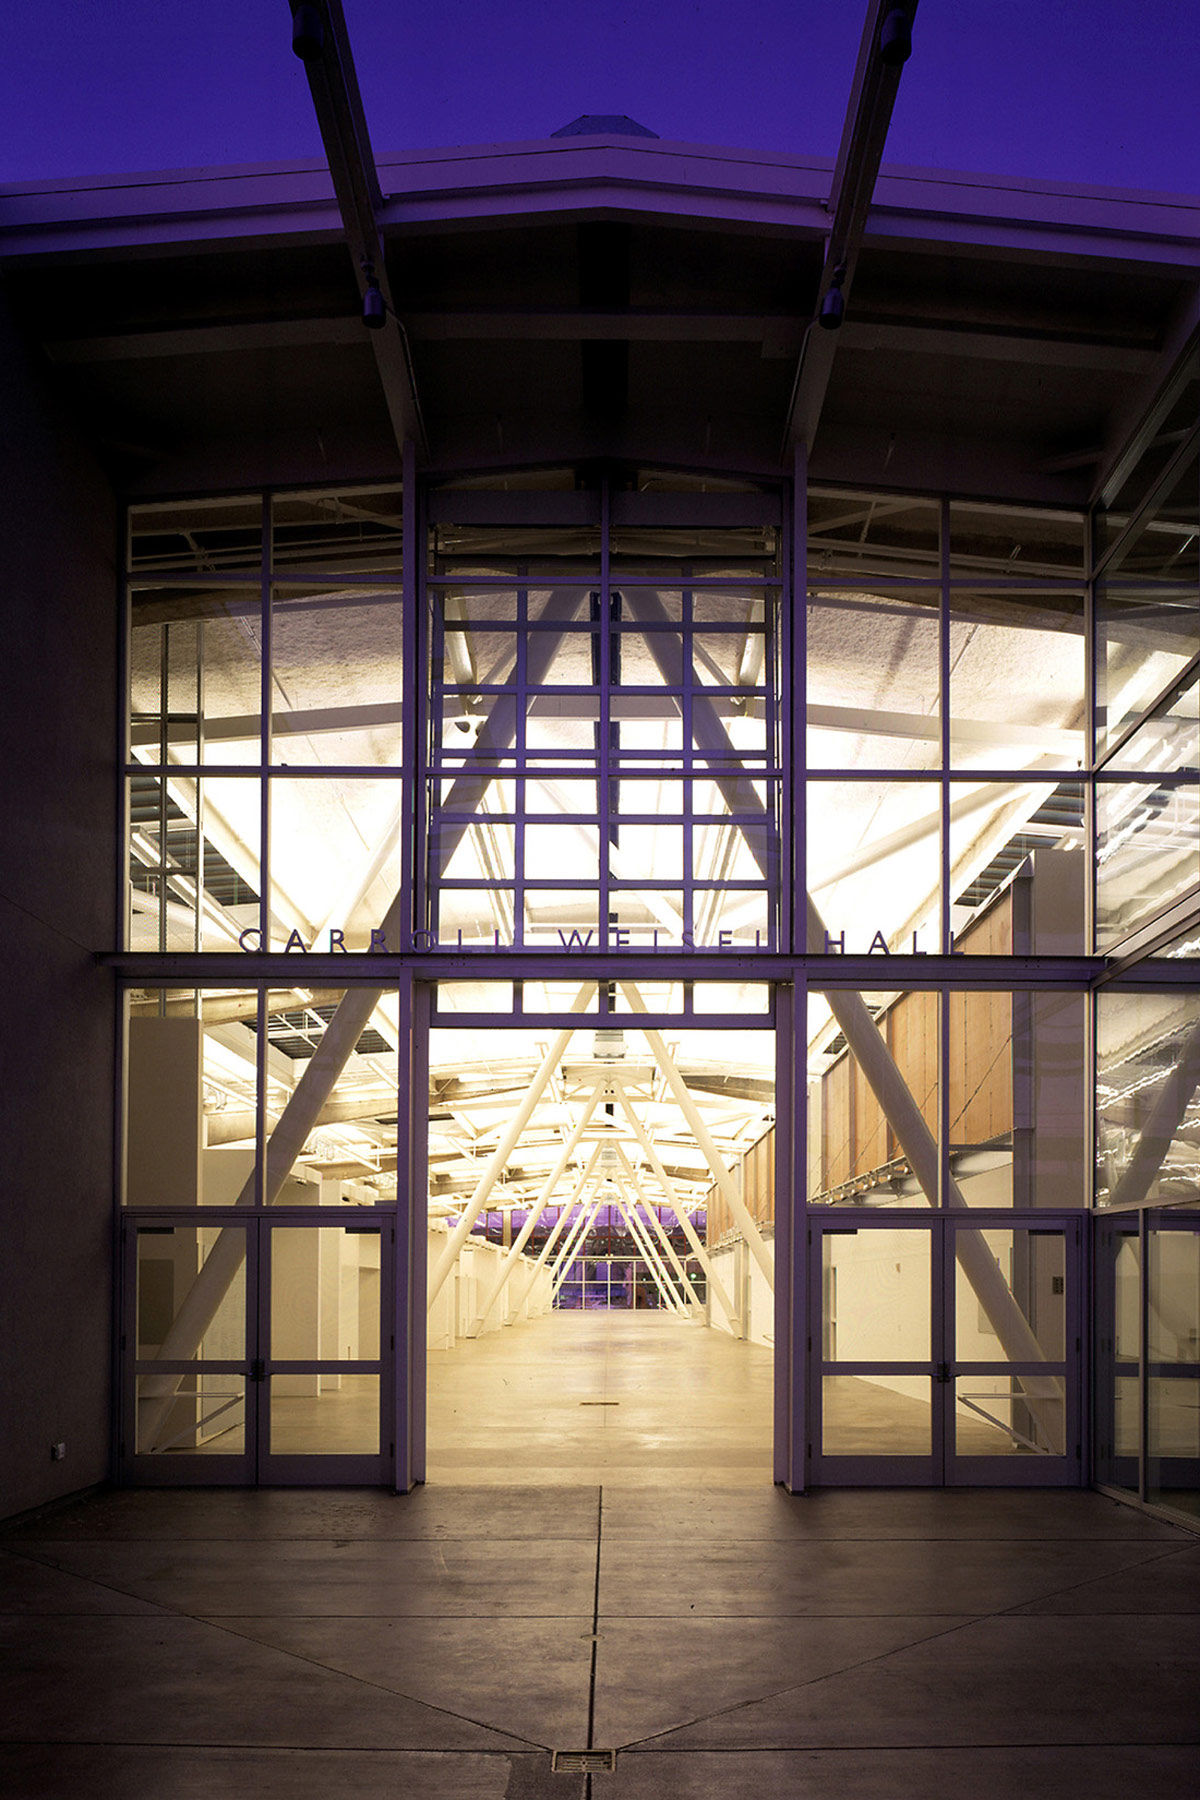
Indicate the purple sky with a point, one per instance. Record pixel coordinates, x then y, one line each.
1101 91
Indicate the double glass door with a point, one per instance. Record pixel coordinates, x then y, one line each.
257 1349
945 1349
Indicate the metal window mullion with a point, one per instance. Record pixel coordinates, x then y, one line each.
688 772
124 880
944 730
794 702
261 1066
431 629
943 996
201 789
1143 1356
264 727
411 780
520 746
607 826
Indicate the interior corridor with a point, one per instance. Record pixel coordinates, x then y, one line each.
731 1643
641 1398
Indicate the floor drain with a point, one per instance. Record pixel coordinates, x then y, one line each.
583 1762
599 1403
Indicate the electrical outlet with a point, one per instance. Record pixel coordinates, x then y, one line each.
58 1452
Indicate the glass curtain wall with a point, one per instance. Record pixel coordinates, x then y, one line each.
604 736
946 812
937 770
557 728
1147 727
266 787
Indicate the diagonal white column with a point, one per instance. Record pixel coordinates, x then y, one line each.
664 1241
566 1256
730 1192
650 1257
640 1235
580 1189
506 1145
716 1285
535 1212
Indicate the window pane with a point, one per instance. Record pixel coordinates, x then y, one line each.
872 680
999 717
855 1153
1163 547
1147 1111
1010 1295
1017 868
1144 640
1014 542
325 1296
874 863
203 535
335 857
337 661
879 1416
323 1415
191 1306
358 531
1173 1355
1147 852
195 674
883 534
876 1288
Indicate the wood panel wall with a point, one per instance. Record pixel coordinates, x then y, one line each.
758 1190
855 1136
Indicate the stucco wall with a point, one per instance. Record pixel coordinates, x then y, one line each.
58 832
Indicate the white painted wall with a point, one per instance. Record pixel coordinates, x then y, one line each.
748 1288
457 1306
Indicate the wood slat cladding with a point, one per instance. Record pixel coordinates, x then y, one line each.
855 1138
756 1171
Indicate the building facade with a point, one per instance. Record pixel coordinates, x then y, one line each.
573 740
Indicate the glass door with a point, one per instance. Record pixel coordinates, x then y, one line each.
874 1358
324 1385
258 1349
944 1349
188 1348
1012 1366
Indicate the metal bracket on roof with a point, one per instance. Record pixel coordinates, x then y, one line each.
334 88
864 133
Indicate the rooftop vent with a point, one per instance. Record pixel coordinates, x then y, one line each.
603 125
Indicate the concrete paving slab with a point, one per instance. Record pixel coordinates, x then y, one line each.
904 1576
201 1772
343 1577
1080 1772
997 1681
527 1677
174 1680
27 1586
1167 1583
707 1514
656 1675
266 1514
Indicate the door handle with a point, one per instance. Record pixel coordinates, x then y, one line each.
943 1372
258 1369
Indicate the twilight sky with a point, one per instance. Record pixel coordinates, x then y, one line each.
1094 91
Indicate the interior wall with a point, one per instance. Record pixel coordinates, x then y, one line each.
58 735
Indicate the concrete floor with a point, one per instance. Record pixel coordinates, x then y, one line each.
727 1640
641 1398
